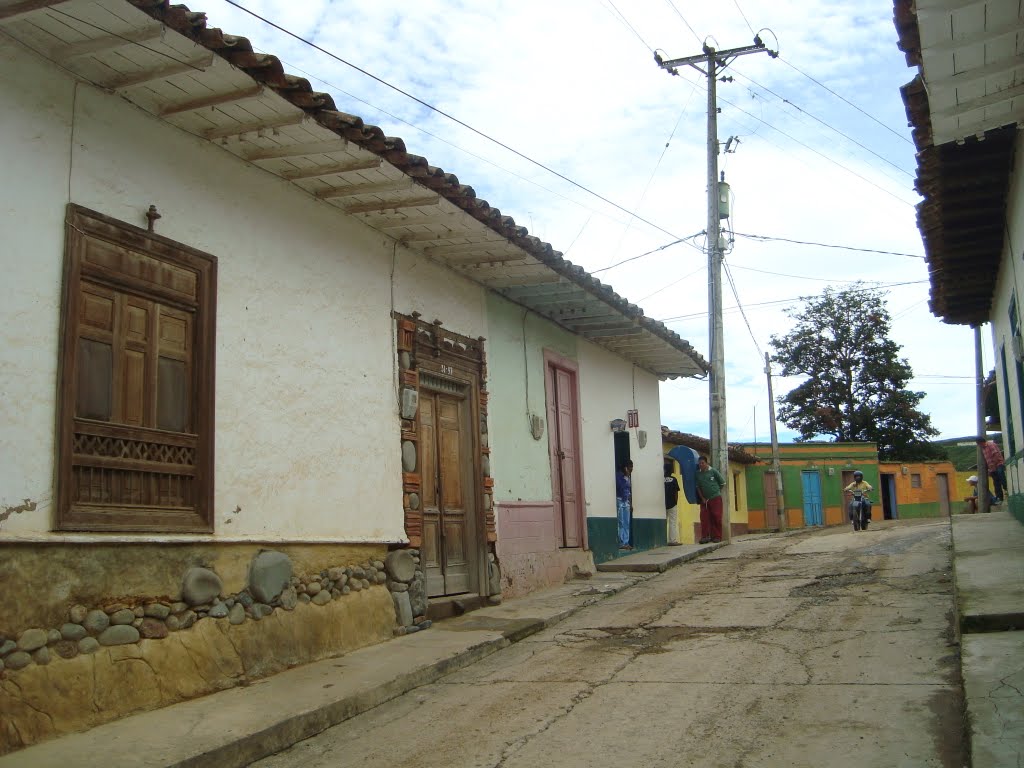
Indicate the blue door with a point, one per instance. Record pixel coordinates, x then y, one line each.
811 483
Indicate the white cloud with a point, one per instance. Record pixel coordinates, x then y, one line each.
569 84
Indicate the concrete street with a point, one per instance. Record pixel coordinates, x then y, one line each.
826 648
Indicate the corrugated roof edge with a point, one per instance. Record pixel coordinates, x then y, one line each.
268 70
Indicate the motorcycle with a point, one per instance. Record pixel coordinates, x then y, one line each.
860 510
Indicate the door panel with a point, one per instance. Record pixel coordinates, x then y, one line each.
445 460
568 464
564 452
942 483
452 438
431 548
811 482
771 501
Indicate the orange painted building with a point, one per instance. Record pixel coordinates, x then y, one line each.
918 489
813 477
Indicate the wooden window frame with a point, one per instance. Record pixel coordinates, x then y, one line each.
95 245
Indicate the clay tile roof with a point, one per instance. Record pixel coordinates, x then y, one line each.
703 446
645 341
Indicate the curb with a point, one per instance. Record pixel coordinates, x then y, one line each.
617 566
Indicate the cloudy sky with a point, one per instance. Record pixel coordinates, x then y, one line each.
823 155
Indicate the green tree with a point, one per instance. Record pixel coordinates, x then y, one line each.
855 386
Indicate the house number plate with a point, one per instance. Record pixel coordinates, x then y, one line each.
447 369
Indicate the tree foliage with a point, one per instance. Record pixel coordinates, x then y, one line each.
855 385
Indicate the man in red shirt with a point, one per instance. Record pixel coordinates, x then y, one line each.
996 466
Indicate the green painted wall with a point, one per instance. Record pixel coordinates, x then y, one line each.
909 511
519 464
840 457
603 536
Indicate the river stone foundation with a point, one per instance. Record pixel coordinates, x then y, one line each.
140 653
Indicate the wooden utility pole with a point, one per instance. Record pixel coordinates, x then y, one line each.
780 498
710 63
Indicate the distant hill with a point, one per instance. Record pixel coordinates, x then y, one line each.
963 451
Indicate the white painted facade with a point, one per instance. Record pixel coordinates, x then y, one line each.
307 438
1010 283
610 386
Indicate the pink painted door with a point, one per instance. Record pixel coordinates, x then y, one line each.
565 457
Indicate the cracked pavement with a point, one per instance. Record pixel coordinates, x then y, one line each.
826 647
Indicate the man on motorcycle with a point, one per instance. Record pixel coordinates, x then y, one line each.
859 490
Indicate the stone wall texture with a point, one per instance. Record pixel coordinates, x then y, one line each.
41 581
66 695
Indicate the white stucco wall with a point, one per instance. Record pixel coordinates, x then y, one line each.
610 386
307 434
1010 280
520 465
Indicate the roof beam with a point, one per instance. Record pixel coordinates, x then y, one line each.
433 237
387 187
974 74
414 221
336 169
136 79
443 251
481 260
240 129
979 103
941 135
394 205
297 150
65 53
252 92
27 6
983 37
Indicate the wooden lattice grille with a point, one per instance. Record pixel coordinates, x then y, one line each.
136 380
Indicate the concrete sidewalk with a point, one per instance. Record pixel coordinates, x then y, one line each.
988 570
241 725
657 560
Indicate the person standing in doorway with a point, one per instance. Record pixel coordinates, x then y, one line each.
709 488
624 502
672 504
996 466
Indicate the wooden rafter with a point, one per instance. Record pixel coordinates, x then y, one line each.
335 169
240 129
393 204
297 150
251 92
136 79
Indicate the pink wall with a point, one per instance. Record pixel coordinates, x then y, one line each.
528 548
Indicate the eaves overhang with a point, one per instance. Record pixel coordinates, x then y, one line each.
964 107
166 60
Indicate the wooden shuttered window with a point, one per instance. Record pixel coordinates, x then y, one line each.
136 381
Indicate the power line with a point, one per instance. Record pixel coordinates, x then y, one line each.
692 315
812 149
797 277
647 253
808 147
441 112
845 100
736 3
680 15
768 238
736 295
822 122
622 17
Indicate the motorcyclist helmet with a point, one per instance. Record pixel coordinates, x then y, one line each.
858 475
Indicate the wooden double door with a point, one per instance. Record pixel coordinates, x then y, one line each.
450 550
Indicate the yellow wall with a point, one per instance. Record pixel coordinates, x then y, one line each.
689 514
